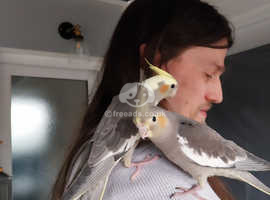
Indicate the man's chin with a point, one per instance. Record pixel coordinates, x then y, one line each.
202 121
200 118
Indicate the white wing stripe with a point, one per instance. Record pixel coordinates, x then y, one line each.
204 159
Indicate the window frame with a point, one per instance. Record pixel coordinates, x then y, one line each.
32 63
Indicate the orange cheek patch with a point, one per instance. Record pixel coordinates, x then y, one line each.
161 121
164 88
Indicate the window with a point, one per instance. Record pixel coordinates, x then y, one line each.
43 98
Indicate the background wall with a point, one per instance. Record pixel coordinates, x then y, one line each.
244 114
31 24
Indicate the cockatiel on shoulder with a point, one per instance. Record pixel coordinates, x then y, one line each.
115 137
199 150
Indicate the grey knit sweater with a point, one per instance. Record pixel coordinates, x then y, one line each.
156 180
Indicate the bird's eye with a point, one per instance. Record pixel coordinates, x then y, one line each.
154 119
172 86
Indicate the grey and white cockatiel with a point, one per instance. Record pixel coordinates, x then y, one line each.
199 150
115 137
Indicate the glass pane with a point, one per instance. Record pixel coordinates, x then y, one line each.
45 115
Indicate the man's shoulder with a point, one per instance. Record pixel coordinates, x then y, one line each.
156 180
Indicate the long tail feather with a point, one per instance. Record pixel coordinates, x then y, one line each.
253 163
90 179
252 180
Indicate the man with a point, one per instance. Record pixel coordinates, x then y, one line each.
198 70
187 38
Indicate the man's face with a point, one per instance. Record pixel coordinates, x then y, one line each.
198 71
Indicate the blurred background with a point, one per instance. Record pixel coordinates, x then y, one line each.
45 112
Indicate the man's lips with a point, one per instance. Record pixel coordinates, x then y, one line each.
204 110
204 113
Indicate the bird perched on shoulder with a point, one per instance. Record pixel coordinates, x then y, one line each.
115 137
199 150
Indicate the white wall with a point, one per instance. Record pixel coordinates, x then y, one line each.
32 24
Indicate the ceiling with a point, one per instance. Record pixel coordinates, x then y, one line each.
251 20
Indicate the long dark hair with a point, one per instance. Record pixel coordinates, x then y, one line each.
165 26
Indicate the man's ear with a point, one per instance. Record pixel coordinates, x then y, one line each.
142 55
142 50
156 60
157 57
163 67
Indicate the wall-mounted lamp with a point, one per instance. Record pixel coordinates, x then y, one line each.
69 31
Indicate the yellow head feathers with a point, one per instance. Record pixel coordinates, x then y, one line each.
158 70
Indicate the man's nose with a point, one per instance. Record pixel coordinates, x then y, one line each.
214 94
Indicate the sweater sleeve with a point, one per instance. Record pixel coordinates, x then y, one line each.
156 180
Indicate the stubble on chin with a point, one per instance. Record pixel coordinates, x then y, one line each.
195 115
198 117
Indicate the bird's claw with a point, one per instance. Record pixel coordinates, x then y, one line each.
192 190
138 165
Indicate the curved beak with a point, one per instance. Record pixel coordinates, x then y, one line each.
143 128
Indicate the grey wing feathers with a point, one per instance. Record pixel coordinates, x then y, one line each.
112 133
102 128
202 138
78 162
121 138
253 163
90 179
113 136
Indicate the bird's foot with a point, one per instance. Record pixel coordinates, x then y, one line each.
139 165
192 190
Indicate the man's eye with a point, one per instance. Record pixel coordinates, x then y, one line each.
208 76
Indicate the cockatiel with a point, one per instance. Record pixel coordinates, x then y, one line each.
199 150
115 137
